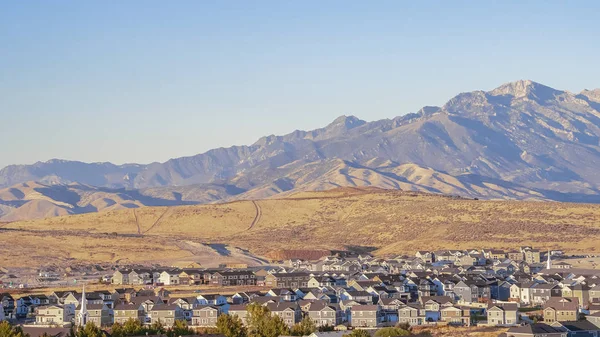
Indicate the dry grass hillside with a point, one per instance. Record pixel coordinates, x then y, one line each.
386 221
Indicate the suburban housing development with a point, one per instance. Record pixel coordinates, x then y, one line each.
522 289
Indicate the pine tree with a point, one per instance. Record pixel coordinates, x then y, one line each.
231 326
304 328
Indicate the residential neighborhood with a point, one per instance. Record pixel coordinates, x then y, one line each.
431 288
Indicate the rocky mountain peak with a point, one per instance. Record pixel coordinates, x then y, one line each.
526 89
346 122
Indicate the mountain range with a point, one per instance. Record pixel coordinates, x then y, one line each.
522 140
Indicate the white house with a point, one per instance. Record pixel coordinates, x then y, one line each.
168 278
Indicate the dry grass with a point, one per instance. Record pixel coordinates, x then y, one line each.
390 222
447 331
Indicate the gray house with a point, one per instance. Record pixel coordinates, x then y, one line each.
366 316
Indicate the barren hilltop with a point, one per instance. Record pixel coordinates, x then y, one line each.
385 222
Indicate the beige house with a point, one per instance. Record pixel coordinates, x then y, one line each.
120 277
55 315
582 293
505 314
166 314
455 315
239 311
125 312
561 309
531 255
205 316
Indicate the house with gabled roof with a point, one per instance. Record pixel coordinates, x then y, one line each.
205 316
455 315
290 313
325 314
413 314
561 309
99 314
166 314
124 312
366 316
503 314
60 315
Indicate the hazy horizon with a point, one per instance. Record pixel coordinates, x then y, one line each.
143 82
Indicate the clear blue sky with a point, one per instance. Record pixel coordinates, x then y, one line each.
143 81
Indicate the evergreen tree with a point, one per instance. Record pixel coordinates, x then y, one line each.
11 331
262 324
231 326
358 333
180 328
392 332
304 328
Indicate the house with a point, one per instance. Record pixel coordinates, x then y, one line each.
495 254
472 291
594 294
366 316
186 304
239 311
8 303
125 294
124 312
540 293
166 314
324 314
75 298
578 328
358 296
54 315
287 280
285 294
432 306
206 316
191 276
24 306
455 315
582 292
147 303
214 299
140 277
120 277
561 265
230 278
505 314
426 257
531 255
168 277
515 255
99 314
290 313
561 309
412 314
536 330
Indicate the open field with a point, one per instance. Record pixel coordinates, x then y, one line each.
447 331
386 222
